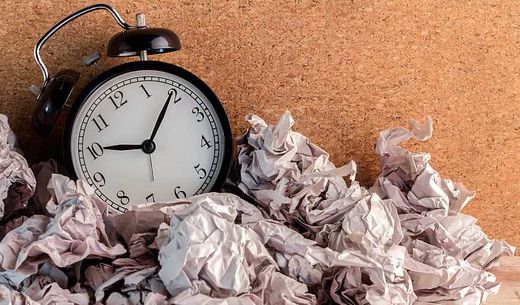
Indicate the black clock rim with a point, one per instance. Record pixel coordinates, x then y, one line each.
159 66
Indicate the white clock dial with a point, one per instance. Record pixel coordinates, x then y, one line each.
108 132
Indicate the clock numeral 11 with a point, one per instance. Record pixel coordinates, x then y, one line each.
100 122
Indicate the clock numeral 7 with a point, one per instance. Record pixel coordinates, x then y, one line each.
201 171
150 197
95 150
118 99
179 193
122 197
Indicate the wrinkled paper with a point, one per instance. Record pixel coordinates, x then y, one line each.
300 231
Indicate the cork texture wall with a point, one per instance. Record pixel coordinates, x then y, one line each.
345 69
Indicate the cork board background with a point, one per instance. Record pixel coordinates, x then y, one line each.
346 70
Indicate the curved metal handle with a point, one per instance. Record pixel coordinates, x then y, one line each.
101 6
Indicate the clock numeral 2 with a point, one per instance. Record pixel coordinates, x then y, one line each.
117 99
173 92
145 91
201 171
179 193
95 150
101 124
122 197
205 143
199 114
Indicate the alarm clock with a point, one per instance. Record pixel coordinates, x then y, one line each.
143 131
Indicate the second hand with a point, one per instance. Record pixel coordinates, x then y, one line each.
151 167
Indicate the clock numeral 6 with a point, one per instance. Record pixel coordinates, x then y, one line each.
117 99
201 171
199 114
176 99
122 197
99 178
179 193
95 150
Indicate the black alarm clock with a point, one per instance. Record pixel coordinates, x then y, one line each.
143 131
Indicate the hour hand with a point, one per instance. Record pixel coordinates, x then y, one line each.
124 147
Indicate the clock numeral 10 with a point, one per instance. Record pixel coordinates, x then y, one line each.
201 171
95 150
204 143
117 99
122 197
179 193
100 122
145 91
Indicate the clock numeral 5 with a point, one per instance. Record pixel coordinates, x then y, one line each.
100 122
117 99
204 143
179 193
201 171
122 197
95 150
99 178
199 114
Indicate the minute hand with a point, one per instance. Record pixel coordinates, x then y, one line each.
163 113
123 147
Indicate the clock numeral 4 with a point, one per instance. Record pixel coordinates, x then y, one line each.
201 171
123 198
100 122
199 114
95 150
145 91
150 198
118 99
179 193
205 143
174 93
99 178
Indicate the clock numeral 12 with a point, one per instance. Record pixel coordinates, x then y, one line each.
201 171
204 143
117 99
102 124
145 91
95 150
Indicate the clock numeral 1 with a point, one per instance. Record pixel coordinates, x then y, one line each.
95 150
201 171
179 193
150 197
205 143
175 98
99 178
122 197
101 124
199 114
145 91
117 99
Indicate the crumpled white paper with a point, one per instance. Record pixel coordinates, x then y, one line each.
306 237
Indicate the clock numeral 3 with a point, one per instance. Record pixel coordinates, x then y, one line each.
122 197
179 193
204 143
99 178
150 197
199 114
176 99
101 124
95 150
145 91
118 99
201 171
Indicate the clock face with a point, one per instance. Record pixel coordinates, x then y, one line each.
149 134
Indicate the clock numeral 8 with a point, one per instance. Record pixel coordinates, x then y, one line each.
201 171
179 193
122 197
95 150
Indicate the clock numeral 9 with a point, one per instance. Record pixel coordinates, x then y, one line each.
95 150
199 114
117 99
99 178
176 99
122 197
201 171
179 193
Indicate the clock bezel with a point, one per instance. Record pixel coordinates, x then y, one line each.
228 151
